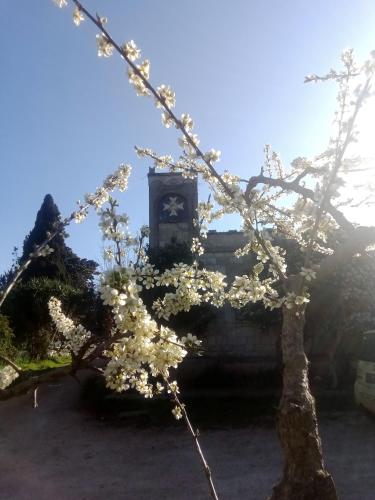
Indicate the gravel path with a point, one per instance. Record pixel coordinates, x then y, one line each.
60 452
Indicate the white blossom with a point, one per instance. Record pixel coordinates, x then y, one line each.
308 274
166 95
258 268
104 46
196 246
188 146
118 180
61 3
291 300
137 82
167 120
212 156
77 16
72 337
131 51
80 216
108 254
177 413
173 387
191 341
187 122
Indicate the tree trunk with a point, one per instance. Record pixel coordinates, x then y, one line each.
304 476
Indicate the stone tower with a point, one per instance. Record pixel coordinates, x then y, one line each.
231 339
173 201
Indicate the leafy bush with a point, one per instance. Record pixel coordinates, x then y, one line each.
6 337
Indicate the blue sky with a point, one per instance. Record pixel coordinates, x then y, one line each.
68 118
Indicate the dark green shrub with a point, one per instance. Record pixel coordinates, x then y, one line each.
6 337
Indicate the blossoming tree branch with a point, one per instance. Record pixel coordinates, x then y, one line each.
303 202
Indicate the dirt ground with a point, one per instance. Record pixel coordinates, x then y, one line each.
61 452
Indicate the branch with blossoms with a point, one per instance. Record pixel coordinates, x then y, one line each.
117 180
164 99
204 217
193 286
287 186
251 204
345 135
294 186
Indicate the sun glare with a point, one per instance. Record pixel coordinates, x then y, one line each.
361 182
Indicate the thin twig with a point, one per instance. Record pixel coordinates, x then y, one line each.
194 434
35 397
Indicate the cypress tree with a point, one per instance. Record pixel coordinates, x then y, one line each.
62 274
63 264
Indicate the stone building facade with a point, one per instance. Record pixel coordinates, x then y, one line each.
230 337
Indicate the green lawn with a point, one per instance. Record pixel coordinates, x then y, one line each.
43 364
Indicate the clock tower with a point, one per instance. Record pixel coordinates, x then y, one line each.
173 201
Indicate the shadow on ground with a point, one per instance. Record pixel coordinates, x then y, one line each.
208 407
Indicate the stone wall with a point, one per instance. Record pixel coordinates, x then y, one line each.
229 334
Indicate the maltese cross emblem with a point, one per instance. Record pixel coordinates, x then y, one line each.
173 206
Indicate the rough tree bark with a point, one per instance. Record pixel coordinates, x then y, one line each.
304 475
